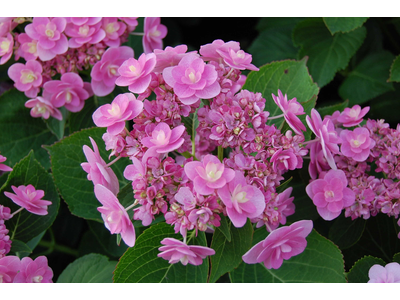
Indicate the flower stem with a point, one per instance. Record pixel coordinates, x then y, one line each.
276 117
220 153
15 212
112 162
132 205
311 141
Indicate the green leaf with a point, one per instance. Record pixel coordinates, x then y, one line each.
395 70
396 258
20 249
91 268
83 119
321 261
275 41
329 110
277 22
327 54
345 232
136 41
305 208
24 226
283 186
20 132
141 263
224 228
228 255
289 76
343 24
368 79
66 158
385 107
57 127
359 272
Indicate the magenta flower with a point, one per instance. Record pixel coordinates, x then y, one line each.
136 74
132 22
213 51
3 167
237 59
50 36
115 217
42 107
29 198
6 48
356 144
175 251
70 91
9 267
352 116
113 116
84 31
34 271
113 30
27 78
331 194
136 172
154 32
280 244
284 160
105 71
97 169
185 197
5 213
192 79
291 109
242 201
388 274
169 57
5 242
208 175
28 47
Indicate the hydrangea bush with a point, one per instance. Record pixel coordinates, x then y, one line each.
213 164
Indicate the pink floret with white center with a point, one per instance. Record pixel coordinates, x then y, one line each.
42 107
9 267
387 274
352 116
357 143
6 48
34 271
27 78
154 32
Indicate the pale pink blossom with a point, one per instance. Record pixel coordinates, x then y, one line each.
42 107
114 215
84 31
70 91
330 194
5 213
136 172
113 29
50 36
169 57
212 51
352 116
105 71
132 22
27 48
291 109
284 160
113 116
97 169
3 167
242 201
136 74
237 59
177 251
192 79
6 48
387 274
356 144
154 32
34 271
208 175
281 244
27 78
29 198
9 267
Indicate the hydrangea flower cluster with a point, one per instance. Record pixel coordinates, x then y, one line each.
65 46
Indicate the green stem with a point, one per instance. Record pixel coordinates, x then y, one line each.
220 153
96 101
52 246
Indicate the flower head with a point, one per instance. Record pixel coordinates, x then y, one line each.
30 199
115 217
34 271
356 144
280 244
213 51
352 116
27 78
42 107
388 274
6 48
237 59
113 29
154 32
3 167
169 57
28 48
9 267
84 31
175 251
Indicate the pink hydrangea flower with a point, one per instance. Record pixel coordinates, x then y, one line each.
208 175
34 271
154 32
113 116
5 242
132 22
291 109
136 74
5 213
213 51
356 144
237 59
242 201
28 48
70 91
387 274
284 160
9 267
50 36
29 198
352 116
97 169
42 107
115 217
6 48
113 29
192 79
27 78
330 194
84 31
177 251
169 57
136 172
280 244
105 71
3 167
